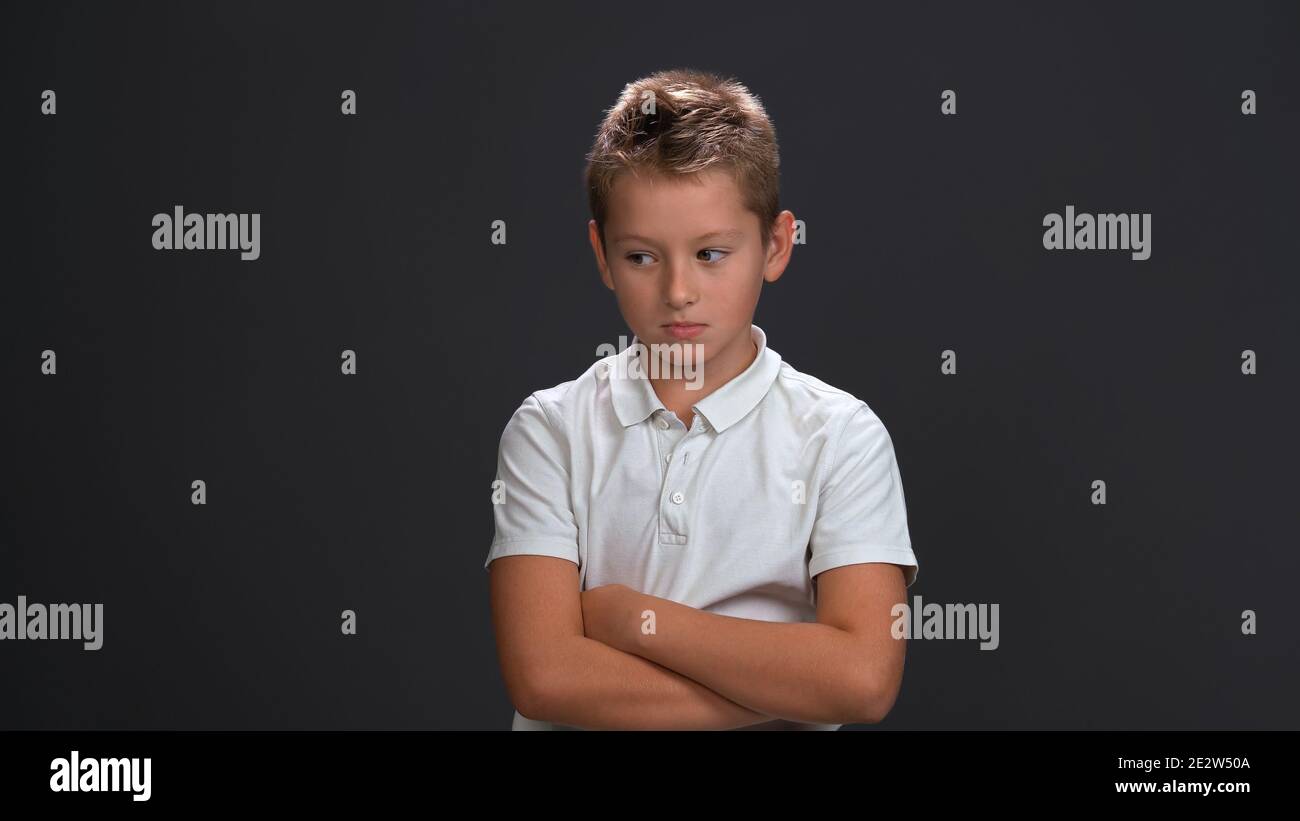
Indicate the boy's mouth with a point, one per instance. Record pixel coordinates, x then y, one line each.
684 330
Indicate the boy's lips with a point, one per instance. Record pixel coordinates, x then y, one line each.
684 330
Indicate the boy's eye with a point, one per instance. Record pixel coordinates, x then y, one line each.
633 256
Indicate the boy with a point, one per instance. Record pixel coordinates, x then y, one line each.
716 543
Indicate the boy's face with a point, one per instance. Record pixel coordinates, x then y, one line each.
687 250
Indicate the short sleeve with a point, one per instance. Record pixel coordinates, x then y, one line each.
531 508
861 513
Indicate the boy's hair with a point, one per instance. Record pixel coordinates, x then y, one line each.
698 121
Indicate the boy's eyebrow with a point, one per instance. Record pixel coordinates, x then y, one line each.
730 233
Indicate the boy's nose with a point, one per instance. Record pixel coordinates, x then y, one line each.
679 285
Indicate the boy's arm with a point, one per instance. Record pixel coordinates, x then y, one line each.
553 672
845 668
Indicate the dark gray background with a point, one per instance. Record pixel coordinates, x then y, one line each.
924 233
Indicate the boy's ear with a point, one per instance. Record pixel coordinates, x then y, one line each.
598 248
779 246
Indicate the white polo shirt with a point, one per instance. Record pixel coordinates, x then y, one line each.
779 477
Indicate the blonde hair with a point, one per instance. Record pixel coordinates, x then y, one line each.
698 121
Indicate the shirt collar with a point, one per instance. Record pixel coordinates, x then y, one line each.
635 398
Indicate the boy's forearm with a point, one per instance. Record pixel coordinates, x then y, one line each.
599 687
798 671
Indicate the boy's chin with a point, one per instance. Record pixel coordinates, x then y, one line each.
679 353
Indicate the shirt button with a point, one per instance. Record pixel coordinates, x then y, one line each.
678 498
663 423
668 457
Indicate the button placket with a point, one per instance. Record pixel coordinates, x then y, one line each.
673 511
666 445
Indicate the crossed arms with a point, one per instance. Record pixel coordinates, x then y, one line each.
581 658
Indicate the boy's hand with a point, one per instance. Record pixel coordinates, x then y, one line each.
609 615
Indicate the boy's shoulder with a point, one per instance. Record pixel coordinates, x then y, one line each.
558 400
815 390
822 402
843 423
